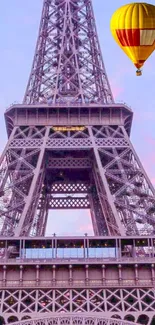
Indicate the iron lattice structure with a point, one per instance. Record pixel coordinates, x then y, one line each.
68 64
105 176
69 148
68 122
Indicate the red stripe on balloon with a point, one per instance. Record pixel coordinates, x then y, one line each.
129 37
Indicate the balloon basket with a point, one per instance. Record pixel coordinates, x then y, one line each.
138 73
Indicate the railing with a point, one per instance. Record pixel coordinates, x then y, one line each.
76 283
138 259
65 103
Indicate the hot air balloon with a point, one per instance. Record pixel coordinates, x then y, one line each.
133 28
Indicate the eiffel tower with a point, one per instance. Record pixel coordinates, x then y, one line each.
69 148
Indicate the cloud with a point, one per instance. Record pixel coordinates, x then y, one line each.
151 141
117 79
153 181
149 163
144 116
116 90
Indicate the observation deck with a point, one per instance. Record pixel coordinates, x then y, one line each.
86 261
71 114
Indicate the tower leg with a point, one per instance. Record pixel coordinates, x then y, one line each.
25 220
108 206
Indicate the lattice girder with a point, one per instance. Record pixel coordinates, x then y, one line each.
97 302
67 202
70 188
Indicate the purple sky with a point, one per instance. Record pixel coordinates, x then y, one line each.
19 21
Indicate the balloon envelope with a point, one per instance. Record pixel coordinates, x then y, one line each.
133 28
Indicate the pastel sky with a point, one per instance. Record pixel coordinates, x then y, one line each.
19 22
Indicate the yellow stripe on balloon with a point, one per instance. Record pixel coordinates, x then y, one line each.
134 15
